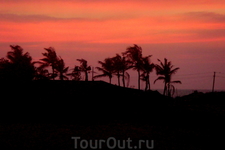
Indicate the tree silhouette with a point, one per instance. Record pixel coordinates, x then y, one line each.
75 74
147 68
61 69
165 70
121 65
18 66
134 54
107 69
50 59
5 69
84 67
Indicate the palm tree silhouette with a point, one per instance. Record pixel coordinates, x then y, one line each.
147 68
120 65
75 74
107 69
134 54
165 70
60 67
16 55
18 65
50 59
84 67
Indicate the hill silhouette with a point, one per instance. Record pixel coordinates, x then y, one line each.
45 114
74 100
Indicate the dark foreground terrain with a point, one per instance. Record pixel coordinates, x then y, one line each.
45 115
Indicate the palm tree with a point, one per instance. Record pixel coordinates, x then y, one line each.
107 69
16 55
19 65
147 68
50 59
117 66
60 67
120 65
134 54
84 67
165 70
75 74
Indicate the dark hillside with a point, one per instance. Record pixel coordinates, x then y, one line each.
46 114
64 100
74 101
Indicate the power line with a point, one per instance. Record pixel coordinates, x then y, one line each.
196 80
221 76
192 74
197 77
222 73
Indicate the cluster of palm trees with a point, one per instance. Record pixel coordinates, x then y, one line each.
19 66
58 67
132 59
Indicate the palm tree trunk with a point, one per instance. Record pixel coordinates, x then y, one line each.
118 75
146 85
53 71
149 86
86 76
110 80
164 92
123 78
168 90
139 82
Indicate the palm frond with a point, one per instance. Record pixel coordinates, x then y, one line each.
11 58
65 77
174 70
100 62
101 75
159 70
177 81
101 69
172 90
45 60
66 69
161 63
159 78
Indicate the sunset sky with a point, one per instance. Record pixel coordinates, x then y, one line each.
190 33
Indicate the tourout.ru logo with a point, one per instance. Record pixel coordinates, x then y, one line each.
111 143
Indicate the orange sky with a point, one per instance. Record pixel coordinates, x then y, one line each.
189 33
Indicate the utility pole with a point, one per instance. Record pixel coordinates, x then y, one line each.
214 77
